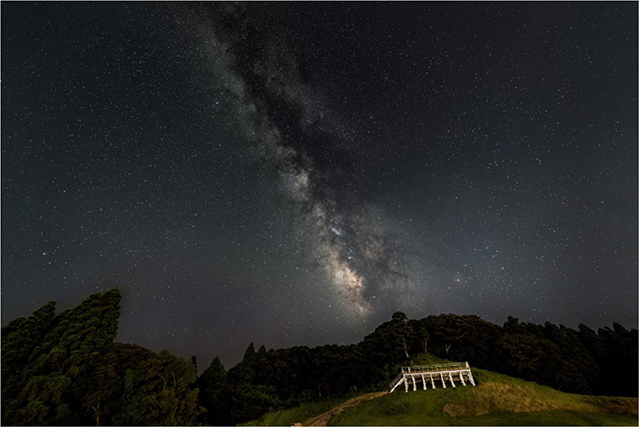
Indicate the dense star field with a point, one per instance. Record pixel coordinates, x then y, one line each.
293 174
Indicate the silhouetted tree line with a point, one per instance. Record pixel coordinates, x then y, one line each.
66 369
582 361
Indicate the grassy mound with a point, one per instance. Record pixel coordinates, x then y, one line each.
497 400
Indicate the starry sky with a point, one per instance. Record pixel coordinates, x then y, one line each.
294 173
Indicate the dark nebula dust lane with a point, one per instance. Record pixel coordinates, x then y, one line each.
293 174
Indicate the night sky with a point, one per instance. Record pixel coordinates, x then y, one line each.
294 173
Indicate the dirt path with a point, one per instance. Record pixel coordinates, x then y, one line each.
323 419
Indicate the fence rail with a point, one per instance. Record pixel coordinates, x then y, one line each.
412 375
436 367
394 381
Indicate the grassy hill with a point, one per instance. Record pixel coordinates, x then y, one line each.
496 400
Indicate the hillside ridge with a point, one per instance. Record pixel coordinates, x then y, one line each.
496 400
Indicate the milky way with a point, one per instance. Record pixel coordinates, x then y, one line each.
292 130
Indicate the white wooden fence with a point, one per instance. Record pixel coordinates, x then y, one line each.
442 373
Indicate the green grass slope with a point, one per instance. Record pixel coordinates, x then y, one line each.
496 400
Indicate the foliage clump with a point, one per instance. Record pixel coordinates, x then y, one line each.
66 370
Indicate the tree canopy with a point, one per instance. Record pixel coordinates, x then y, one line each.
66 370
